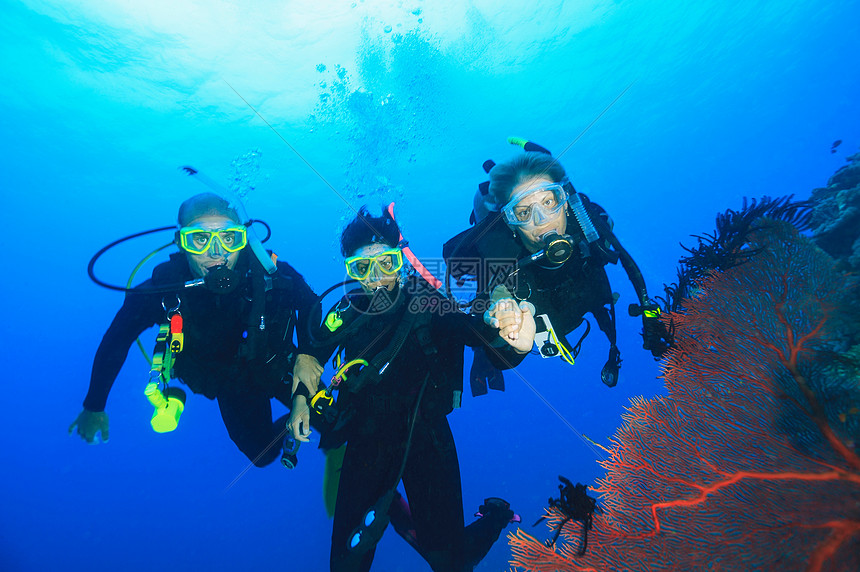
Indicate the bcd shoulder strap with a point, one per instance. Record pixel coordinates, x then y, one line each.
409 321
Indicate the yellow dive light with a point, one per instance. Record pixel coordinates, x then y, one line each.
168 408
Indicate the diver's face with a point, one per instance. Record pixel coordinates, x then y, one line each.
201 264
377 279
530 234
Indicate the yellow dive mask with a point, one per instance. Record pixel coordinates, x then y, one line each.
199 241
389 262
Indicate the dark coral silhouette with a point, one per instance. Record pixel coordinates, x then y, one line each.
728 246
574 503
750 462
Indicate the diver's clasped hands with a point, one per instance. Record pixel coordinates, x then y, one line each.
515 322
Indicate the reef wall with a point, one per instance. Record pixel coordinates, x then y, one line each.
836 215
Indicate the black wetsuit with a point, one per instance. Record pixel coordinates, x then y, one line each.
566 293
489 251
376 436
217 359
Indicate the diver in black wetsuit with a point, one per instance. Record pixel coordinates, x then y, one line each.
549 244
391 409
226 355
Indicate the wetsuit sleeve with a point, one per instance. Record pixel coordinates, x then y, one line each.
319 348
470 330
655 336
633 273
138 312
322 354
304 300
604 226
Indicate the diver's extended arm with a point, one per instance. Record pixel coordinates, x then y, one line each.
131 320
507 340
653 331
600 219
303 299
307 369
138 312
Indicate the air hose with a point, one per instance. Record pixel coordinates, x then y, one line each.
582 217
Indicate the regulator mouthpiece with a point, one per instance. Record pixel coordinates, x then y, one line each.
221 280
557 248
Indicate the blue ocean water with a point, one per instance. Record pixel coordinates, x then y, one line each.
102 102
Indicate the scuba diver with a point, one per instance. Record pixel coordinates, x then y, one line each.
398 346
548 244
228 311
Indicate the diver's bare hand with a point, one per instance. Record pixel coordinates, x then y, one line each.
526 338
503 315
300 419
92 426
308 372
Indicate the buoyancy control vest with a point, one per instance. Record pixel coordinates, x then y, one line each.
241 341
373 391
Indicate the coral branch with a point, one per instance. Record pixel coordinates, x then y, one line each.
750 462
842 532
740 475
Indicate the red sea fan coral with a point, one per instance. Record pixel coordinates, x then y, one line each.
750 462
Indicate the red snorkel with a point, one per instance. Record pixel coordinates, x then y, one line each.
416 264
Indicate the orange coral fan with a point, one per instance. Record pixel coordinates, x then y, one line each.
750 462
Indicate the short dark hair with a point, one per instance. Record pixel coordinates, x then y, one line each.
365 229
